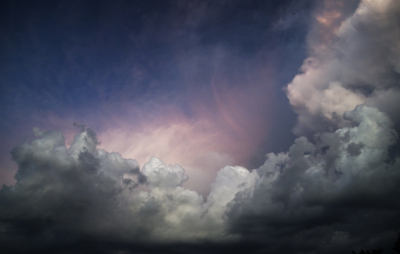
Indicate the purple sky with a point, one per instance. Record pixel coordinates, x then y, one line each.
199 126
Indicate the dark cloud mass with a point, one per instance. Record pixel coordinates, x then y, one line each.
330 196
181 89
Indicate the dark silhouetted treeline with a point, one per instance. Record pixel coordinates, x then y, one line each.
396 248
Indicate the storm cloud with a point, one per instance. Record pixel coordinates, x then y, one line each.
87 191
333 195
334 190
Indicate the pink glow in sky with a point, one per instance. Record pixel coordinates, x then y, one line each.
170 126
227 134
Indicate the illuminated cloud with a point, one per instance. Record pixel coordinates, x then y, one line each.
141 185
226 124
87 191
352 61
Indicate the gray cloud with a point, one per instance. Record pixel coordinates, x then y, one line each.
318 196
83 191
321 197
330 193
353 60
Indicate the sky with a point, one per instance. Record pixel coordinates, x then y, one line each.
199 126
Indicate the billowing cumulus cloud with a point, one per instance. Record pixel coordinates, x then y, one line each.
316 197
85 191
341 185
353 60
334 190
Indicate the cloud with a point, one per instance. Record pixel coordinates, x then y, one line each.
316 196
353 60
84 192
341 188
226 118
331 193
162 176
160 61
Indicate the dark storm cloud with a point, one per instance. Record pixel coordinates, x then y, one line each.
327 201
316 197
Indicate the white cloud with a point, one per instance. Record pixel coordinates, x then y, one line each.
352 61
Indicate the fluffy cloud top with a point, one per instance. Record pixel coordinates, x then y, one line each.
85 191
331 193
352 61
343 185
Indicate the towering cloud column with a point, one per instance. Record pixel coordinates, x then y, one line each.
353 60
